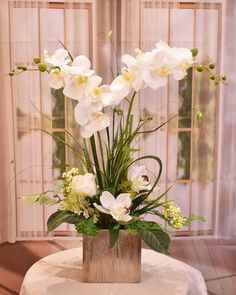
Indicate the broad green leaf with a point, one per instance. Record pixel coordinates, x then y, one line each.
114 234
158 240
30 199
59 217
59 186
44 199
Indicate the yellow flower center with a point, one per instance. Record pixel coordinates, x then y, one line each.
81 79
56 73
163 71
186 64
97 91
126 75
96 116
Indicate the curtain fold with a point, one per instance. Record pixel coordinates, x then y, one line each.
193 154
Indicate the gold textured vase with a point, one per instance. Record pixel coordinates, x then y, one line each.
119 264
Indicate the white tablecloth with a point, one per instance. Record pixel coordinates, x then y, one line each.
60 274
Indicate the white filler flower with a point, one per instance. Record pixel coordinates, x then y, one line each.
118 207
84 184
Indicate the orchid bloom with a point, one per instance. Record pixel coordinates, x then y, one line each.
138 176
56 79
156 66
82 79
182 60
91 120
118 207
57 59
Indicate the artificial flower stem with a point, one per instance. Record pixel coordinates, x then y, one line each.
101 151
129 112
87 158
96 162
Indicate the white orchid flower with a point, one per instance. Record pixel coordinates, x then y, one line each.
84 184
57 59
90 119
118 207
99 97
56 79
182 60
130 78
138 176
82 79
156 66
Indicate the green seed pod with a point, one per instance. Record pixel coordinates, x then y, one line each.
42 67
211 66
36 60
200 68
212 77
223 77
11 74
194 51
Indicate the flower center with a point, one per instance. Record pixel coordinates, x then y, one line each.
56 73
186 64
97 92
163 71
81 79
126 75
145 178
96 116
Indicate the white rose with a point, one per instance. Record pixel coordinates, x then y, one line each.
84 184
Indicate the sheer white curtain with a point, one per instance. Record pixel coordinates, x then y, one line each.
193 155
227 170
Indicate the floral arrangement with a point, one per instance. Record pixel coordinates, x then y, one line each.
112 189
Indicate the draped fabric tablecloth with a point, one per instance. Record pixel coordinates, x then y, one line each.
60 274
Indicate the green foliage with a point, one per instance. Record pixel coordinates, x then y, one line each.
40 198
126 187
113 234
192 218
87 227
157 240
59 217
143 224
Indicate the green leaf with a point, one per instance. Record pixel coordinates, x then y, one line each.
44 199
114 235
143 224
30 199
87 227
59 217
59 186
158 240
111 190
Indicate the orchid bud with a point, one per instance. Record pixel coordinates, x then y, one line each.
211 66
42 67
200 68
36 60
194 51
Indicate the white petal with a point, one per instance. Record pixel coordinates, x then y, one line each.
136 171
124 199
153 80
81 61
107 200
129 60
61 53
101 209
124 217
73 90
92 82
56 82
81 114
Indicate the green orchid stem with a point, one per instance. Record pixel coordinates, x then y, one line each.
96 162
129 113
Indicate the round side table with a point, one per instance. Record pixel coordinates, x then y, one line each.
60 274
